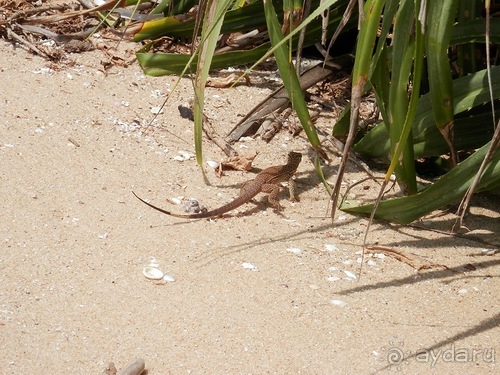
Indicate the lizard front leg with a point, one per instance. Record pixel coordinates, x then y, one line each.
292 191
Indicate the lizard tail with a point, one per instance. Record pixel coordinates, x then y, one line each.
154 207
238 201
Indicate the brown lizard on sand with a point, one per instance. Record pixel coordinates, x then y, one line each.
267 181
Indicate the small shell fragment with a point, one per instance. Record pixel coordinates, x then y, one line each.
350 275
193 206
156 110
333 278
213 164
489 251
186 155
176 200
248 266
338 302
168 278
294 250
153 263
183 156
152 273
136 367
330 247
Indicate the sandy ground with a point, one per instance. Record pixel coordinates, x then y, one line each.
74 242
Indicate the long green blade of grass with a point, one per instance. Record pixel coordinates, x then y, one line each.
439 23
449 189
470 91
289 76
212 24
366 41
403 54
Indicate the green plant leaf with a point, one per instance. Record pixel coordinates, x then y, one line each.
212 24
289 75
439 23
449 189
470 131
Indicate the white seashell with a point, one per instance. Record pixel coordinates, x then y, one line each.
48 43
186 155
213 164
248 266
193 206
169 278
152 273
294 250
350 275
176 200
489 251
330 247
338 302
371 263
333 278
153 263
156 110
156 93
379 255
43 71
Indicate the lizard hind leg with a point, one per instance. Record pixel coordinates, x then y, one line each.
245 187
273 190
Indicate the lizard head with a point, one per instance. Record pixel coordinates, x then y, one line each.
294 157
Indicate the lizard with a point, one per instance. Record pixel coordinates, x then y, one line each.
266 181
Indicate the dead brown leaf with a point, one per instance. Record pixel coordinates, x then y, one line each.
239 163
